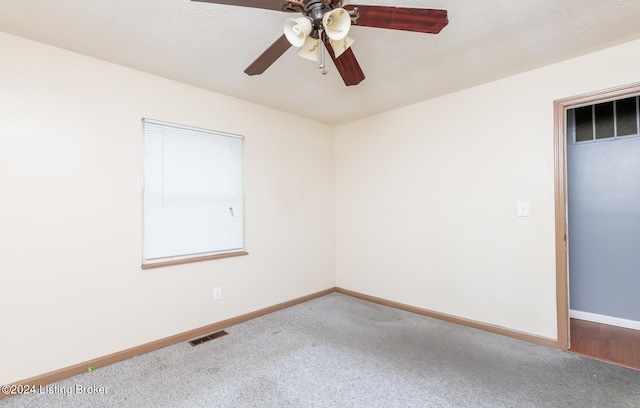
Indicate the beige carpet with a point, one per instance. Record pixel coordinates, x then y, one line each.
337 351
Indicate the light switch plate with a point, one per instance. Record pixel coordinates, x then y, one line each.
523 208
217 293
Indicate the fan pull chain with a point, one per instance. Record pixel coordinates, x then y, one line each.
321 46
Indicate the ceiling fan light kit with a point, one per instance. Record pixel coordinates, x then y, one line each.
297 30
328 22
340 46
305 32
337 22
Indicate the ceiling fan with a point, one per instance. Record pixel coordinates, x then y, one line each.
324 26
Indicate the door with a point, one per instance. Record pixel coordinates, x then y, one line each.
603 197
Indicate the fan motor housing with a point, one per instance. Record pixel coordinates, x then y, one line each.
315 13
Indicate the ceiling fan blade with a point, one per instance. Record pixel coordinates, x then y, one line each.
347 65
430 21
269 56
278 5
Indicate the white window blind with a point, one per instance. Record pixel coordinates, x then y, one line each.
192 192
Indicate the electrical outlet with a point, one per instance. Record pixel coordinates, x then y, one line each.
217 293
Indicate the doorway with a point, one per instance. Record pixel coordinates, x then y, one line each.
562 118
603 212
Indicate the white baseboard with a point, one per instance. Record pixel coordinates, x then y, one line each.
613 321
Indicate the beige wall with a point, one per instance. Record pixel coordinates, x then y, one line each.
424 204
71 287
426 196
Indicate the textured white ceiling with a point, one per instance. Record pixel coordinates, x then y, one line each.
210 45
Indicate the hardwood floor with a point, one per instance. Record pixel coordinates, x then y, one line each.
616 345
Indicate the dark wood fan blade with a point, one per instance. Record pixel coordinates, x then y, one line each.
279 5
430 21
347 65
269 56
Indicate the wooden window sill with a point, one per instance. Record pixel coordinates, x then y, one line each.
190 260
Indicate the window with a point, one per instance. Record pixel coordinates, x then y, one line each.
192 194
605 121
